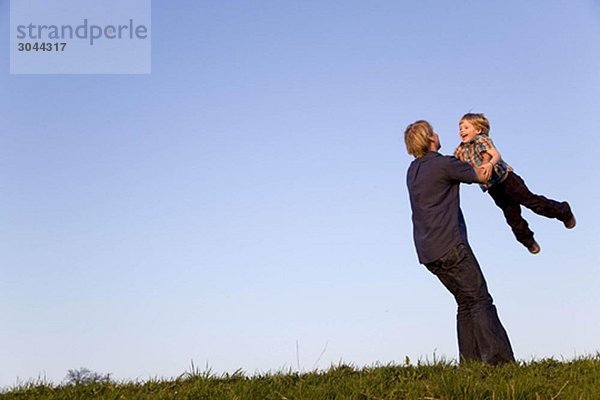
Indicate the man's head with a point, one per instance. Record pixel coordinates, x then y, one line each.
420 138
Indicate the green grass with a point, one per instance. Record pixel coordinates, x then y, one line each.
547 379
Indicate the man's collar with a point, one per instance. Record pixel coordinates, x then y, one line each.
431 154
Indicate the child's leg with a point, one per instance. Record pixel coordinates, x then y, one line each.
518 191
512 214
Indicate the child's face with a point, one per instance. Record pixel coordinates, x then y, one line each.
467 131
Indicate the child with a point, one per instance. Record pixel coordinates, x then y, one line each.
506 188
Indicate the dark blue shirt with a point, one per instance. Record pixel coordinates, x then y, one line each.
438 223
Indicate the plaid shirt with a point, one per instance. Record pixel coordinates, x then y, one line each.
472 153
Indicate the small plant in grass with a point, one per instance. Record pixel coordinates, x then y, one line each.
84 376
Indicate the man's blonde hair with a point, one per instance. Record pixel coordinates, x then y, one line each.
479 121
417 138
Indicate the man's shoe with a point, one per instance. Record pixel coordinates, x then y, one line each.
534 248
570 223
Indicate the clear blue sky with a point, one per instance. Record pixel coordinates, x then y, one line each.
249 194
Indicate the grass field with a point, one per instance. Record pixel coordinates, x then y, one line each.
546 379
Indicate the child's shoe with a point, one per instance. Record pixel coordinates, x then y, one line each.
534 248
570 223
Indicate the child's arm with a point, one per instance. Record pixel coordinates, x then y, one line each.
492 156
490 159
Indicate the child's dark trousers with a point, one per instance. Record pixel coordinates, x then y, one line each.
511 193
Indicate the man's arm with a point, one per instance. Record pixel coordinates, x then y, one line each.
464 172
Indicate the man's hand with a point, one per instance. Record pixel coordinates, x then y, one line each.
489 168
483 174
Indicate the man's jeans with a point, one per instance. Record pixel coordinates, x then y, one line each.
481 335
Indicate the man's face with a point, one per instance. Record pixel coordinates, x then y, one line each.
435 142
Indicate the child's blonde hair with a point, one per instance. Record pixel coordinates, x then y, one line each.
416 137
479 121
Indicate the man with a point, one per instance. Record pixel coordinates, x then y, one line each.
440 237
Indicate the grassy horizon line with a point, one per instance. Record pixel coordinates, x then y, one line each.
441 379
